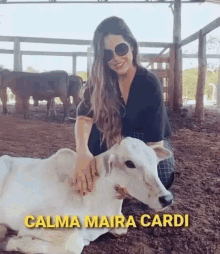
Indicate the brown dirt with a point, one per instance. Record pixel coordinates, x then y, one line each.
196 189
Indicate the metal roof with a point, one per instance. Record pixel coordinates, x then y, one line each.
96 1
213 1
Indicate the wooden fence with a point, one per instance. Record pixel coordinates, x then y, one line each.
171 77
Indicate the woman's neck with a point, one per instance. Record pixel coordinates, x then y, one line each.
128 76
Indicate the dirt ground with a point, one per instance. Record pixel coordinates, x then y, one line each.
196 188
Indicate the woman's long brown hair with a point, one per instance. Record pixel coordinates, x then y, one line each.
102 81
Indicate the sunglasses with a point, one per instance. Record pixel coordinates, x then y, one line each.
121 50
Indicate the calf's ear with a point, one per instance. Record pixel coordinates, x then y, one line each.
162 153
108 160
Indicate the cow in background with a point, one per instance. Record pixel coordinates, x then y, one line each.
75 85
3 89
41 86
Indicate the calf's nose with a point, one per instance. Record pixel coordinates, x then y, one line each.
166 200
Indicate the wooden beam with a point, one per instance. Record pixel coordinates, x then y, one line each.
207 29
45 53
171 78
211 26
74 64
144 57
46 40
177 98
218 89
89 60
154 44
189 39
74 42
199 109
49 53
17 55
148 58
213 56
100 2
155 59
161 73
21 65
6 51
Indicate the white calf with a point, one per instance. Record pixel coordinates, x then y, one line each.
42 187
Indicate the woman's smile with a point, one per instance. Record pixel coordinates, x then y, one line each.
121 64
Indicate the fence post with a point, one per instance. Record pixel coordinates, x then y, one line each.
177 98
74 64
89 60
218 89
17 55
21 65
171 78
199 110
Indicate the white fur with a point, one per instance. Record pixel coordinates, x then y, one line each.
38 187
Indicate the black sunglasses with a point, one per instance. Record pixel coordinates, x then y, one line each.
121 50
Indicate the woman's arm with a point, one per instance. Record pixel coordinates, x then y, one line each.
83 128
85 171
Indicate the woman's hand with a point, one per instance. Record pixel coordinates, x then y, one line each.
85 173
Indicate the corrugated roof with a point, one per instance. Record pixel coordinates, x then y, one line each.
213 1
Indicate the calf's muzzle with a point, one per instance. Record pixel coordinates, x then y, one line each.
166 200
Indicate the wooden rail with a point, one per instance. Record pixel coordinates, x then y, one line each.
144 56
157 57
75 42
207 29
45 40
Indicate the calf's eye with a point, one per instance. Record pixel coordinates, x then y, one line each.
129 164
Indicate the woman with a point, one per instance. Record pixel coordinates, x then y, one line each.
121 99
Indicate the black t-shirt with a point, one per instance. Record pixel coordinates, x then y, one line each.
143 117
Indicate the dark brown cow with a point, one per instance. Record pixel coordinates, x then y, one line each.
75 85
3 89
41 86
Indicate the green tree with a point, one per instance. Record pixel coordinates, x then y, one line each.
31 69
190 79
82 74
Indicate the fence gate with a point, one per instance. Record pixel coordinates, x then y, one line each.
161 70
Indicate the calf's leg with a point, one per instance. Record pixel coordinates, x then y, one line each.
29 244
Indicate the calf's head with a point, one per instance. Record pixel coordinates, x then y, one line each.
133 164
